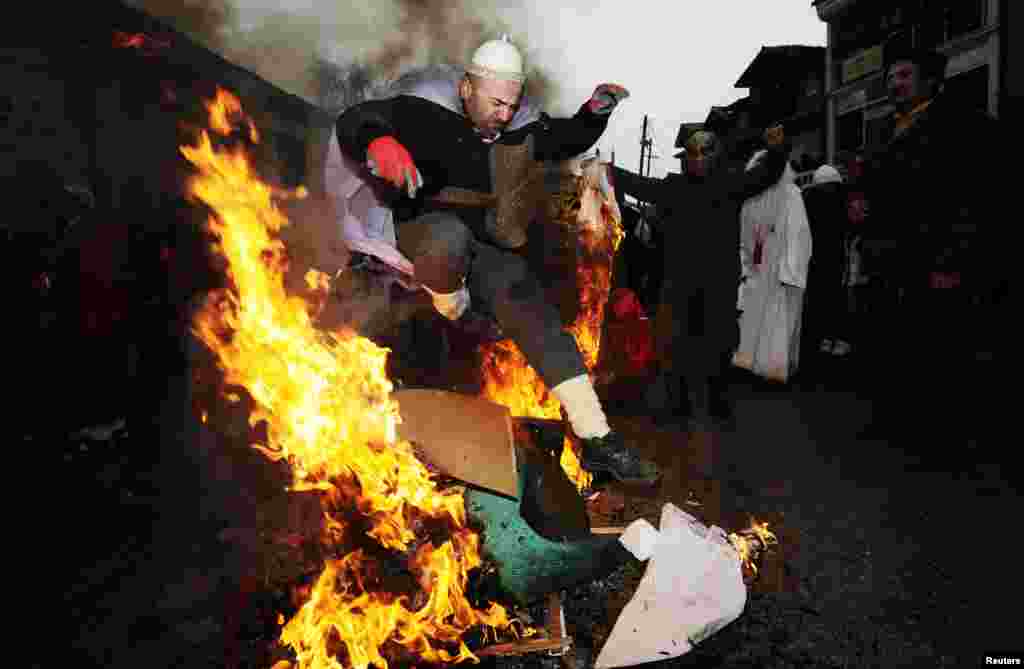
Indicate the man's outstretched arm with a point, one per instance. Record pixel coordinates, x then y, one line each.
560 139
642 188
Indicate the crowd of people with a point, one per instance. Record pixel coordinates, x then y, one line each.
888 265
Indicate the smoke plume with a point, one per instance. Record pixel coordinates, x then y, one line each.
335 52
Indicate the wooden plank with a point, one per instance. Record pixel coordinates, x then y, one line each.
526 646
467 438
607 530
554 641
555 616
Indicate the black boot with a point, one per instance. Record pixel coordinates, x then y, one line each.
609 454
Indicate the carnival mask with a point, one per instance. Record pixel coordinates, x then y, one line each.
701 150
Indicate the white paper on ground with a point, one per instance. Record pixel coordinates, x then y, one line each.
640 538
692 588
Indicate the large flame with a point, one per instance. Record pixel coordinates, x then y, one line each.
508 378
324 399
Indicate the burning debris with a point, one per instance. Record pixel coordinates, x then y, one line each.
751 544
323 405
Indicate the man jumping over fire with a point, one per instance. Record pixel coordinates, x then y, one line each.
455 149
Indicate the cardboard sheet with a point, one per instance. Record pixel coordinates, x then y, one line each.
466 437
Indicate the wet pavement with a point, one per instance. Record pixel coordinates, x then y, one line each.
892 553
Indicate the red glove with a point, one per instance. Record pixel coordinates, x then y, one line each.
391 161
605 98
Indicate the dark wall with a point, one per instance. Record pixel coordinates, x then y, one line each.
34 121
115 117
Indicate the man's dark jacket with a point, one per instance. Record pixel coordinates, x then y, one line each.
825 296
448 151
933 197
696 319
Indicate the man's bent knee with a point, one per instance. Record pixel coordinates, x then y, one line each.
438 244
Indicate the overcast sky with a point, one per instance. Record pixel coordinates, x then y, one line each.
677 57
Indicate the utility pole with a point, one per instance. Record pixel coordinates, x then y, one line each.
645 148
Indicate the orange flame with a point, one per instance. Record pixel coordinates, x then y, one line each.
325 401
225 111
750 545
508 378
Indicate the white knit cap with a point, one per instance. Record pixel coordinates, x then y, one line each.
498 59
827 174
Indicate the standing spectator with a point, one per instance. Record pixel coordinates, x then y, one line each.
861 292
935 230
825 322
775 248
695 324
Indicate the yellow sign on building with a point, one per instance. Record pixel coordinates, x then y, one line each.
863 64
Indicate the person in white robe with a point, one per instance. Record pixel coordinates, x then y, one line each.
775 251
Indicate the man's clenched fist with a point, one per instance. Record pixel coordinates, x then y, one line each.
605 98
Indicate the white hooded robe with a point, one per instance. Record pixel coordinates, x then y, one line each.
775 250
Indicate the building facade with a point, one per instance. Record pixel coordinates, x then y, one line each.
857 110
786 86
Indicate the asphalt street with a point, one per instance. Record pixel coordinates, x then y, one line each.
892 552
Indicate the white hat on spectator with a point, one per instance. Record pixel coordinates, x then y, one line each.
827 174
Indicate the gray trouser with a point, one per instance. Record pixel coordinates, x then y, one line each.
444 250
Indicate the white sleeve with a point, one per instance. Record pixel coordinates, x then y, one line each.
797 253
365 224
746 259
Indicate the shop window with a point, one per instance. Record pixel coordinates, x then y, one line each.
965 16
878 130
870 22
945 20
877 89
850 131
970 88
893 18
900 39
